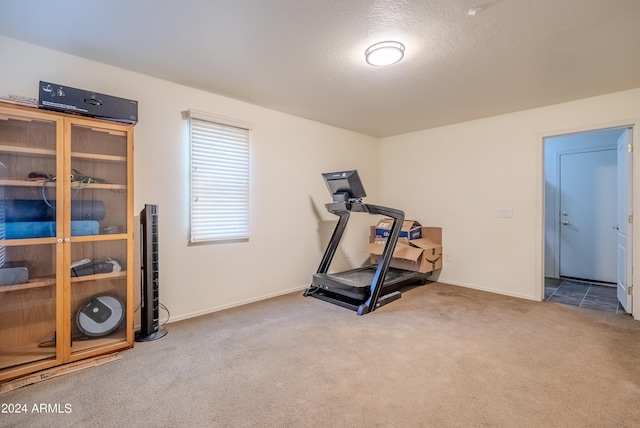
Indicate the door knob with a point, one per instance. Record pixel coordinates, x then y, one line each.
616 227
565 222
564 213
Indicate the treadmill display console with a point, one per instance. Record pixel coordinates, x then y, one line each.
344 185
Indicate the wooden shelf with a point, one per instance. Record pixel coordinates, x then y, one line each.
104 130
74 185
34 283
100 276
46 152
117 338
95 156
27 353
32 352
27 150
107 186
18 242
99 237
27 183
45 282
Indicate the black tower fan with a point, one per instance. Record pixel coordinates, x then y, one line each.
150 328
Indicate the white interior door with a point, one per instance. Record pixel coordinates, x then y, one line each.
624 226
588 215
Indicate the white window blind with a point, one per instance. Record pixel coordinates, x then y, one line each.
219 178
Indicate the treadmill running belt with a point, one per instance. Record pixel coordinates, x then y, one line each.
364 277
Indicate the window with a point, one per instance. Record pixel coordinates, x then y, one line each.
219 178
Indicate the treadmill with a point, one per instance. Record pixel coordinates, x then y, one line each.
366 288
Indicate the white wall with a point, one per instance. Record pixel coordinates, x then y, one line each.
456 177
459 176
289 222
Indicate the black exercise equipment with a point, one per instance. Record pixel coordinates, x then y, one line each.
367 288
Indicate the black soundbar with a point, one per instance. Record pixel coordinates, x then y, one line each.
52 96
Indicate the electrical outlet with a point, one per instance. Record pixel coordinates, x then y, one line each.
446 257
505 213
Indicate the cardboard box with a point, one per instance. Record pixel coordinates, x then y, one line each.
410 230
421 255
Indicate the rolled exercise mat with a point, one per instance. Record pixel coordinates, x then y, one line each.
28 210
47 229
87 210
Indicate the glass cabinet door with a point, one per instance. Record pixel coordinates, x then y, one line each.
30 227
98 181
98 195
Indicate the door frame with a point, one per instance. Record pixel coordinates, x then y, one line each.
624 222
634 124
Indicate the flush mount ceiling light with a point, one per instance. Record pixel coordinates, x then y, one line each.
384 53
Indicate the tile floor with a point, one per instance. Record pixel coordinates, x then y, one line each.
583 294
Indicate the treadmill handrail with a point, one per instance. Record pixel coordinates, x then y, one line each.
387 254
334 242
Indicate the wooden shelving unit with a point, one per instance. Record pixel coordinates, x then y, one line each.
39 327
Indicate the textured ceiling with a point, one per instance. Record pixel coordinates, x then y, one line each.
306 57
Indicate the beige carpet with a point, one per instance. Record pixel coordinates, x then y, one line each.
442 356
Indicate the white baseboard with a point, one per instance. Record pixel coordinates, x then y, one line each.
233 305
487 289
301 288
